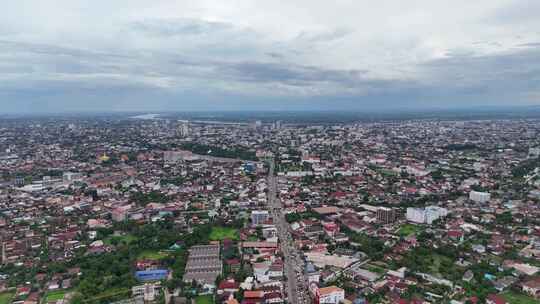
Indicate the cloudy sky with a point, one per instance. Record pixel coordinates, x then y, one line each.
269 55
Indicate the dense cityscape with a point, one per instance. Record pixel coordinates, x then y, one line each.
152 209
270 152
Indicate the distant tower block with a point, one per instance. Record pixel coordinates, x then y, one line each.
386 215
184 129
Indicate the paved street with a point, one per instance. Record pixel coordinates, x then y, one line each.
296 284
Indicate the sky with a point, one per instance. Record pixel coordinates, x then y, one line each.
140 55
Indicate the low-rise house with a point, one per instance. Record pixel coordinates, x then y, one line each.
495 299
228 286
331 295
532 287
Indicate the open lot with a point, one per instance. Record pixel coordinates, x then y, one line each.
222 233
152 255
126 239
208 299
6 297
517 298
408 229
55 295
436 265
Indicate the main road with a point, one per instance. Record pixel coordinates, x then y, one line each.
293 264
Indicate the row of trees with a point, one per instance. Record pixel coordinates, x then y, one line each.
233 152
295 217
144 199
526 167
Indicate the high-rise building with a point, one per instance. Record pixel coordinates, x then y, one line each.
386 215
534 152
479 197
183 129
257 124
427 215
119 214
259 217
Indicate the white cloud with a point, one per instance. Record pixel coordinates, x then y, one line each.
285 48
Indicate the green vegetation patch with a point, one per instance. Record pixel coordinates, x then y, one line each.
121 239
526 167
111 295
387 172
222 233
208 299
152 255
231 152
517 298
6 297
438 262
144 199
375 269
55 296
408 229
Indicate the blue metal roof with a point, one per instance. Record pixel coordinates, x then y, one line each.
151 275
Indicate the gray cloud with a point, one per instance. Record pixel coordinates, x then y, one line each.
327 36
458 75
531 44
520 11
175 27
197 53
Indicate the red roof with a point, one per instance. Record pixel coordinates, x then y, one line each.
228 285
253 294
455 233
232 261
251 301
496 299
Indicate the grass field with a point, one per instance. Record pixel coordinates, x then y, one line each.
408 229
252 238
126 239
516 298
435 268
55 295
375 269
152 255
110 295
221 233
208 299
6 297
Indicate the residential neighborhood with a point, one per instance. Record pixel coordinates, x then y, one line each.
109 210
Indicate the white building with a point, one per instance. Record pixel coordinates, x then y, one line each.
312 274
69 177
427 215
331 295
259 217
417 170
183 129
416 215
176 156
479 197
148 291
433 213
297 173
534 152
